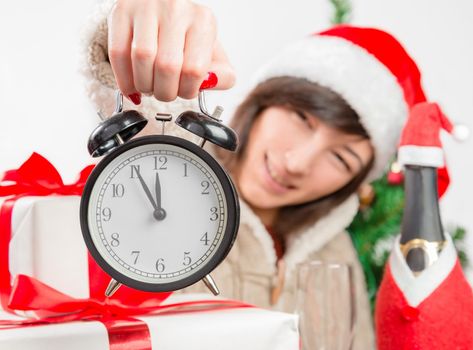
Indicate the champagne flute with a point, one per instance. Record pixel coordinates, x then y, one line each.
325 305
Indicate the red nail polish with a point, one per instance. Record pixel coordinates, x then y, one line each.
135 98
210 82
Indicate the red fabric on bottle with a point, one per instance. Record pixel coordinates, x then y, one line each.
441 321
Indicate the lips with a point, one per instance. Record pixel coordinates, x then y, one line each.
276 180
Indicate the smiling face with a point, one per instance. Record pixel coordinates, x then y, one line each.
292 157
303 151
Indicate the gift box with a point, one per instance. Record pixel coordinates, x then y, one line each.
46 243
39 228
209 327
40 235
48 277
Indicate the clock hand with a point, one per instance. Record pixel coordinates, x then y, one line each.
158 191
148 193
159 212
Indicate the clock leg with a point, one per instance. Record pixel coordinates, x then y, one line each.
210 283
112 287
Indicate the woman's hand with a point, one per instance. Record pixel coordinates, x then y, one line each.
165 48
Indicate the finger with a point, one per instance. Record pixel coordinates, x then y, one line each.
222 67
200 41
119 44
144 49
168 64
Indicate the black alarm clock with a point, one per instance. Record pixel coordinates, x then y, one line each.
158 213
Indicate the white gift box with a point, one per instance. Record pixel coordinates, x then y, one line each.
228 329
47 243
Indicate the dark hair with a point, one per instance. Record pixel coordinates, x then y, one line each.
300 95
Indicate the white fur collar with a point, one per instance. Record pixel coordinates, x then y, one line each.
417 288
302 244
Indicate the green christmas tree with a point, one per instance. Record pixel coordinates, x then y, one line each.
342 11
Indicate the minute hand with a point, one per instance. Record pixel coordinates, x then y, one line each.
158 192
159 212
148 193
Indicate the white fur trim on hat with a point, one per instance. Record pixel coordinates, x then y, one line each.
417 288
460 132
421 155
362 80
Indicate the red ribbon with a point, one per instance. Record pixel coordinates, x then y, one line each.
52 306
38 177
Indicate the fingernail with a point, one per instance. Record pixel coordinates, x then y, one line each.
135 98
210 82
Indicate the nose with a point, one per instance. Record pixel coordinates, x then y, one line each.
299 159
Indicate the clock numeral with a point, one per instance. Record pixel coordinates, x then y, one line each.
160 265
205 185
118 190
187 259
163 160
136 254
185 169
214 213
135 169
107 214
205 239
115 242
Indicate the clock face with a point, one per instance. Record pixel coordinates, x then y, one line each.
159 213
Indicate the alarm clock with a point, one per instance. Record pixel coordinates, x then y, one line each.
158 213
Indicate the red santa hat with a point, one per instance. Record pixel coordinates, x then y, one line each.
420 140
369 68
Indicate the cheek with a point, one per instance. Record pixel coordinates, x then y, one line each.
250 189
323 181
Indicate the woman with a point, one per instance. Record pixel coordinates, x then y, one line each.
323 117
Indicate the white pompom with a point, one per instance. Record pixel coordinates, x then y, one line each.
460 132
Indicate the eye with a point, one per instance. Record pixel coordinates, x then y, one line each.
304 118
342 160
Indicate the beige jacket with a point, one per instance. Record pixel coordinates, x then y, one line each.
250 270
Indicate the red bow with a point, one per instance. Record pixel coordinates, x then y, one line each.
53 306
124 331
35 177
38 177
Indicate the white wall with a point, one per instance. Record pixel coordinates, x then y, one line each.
44 107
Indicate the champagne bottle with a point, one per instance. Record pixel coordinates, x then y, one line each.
422 235
421 153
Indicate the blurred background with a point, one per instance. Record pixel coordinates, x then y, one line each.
44 107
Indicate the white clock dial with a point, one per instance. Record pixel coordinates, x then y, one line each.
157 213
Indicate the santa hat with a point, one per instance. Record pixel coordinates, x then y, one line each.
368 68
420 140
